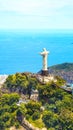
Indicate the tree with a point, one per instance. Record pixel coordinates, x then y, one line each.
8 109
66 119
50 119
33 108
9 99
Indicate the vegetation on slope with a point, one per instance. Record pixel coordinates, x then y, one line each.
64 67
21 83
54 109
8 109
64 70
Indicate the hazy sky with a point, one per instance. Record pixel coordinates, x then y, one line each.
36 14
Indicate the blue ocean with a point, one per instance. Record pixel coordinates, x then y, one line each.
20 51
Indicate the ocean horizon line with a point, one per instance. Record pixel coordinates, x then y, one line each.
64 31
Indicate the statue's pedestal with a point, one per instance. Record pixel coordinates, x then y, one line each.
44 73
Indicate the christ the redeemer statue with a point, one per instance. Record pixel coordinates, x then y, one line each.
45 67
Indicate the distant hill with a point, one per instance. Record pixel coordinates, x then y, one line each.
64 70
64 67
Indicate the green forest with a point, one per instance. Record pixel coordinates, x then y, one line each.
53 110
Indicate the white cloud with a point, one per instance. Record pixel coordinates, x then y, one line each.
36 13
31 6
34 7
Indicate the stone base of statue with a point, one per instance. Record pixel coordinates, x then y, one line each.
43 79
44 73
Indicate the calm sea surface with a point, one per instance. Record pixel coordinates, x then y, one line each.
20 52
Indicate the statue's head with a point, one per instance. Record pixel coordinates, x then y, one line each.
44 49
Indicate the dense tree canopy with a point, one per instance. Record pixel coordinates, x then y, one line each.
21 83
57 103
8 110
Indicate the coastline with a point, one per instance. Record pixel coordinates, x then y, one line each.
3 78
